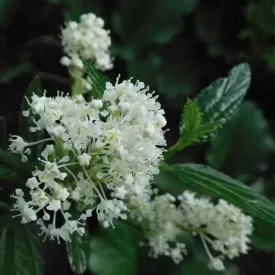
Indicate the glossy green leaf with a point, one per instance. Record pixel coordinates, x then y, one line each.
78 252
203 179
113 251
219 100
243 146
190 122
19 249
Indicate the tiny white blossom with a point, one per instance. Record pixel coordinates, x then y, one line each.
32 183
84 159
216 264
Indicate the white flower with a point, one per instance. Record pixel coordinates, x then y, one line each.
108 210
84 159
27 213
39 198
99 158
86 40
54 205
32 183
18 146
96 103
61 192
223 226
216 264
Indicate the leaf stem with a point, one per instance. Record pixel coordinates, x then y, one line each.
178 146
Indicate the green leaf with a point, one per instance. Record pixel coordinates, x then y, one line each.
7 173
10 73
190 123
73 9
243 146
203 179
14 161
19 249
113 251
34 87
191 128
262 237
162 22
98 80
78 251
219 101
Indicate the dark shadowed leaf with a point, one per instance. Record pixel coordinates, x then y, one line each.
78 252
204 180
242 147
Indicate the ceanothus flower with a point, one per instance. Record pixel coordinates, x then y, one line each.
222 226
99 155
86 40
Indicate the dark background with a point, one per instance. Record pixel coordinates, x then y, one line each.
175 46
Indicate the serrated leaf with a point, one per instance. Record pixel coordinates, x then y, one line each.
190 123
192 129
34 87
19 249
207 128
78 252
203 179
113 251
98 80
242 147
219 101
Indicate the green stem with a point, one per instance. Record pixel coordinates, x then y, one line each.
178 146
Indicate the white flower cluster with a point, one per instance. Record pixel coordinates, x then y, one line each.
162 219
101 155
86 40
221 225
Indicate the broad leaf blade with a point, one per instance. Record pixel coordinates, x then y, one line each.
207 181
20 252
113 251
78 251
242 147
220 99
